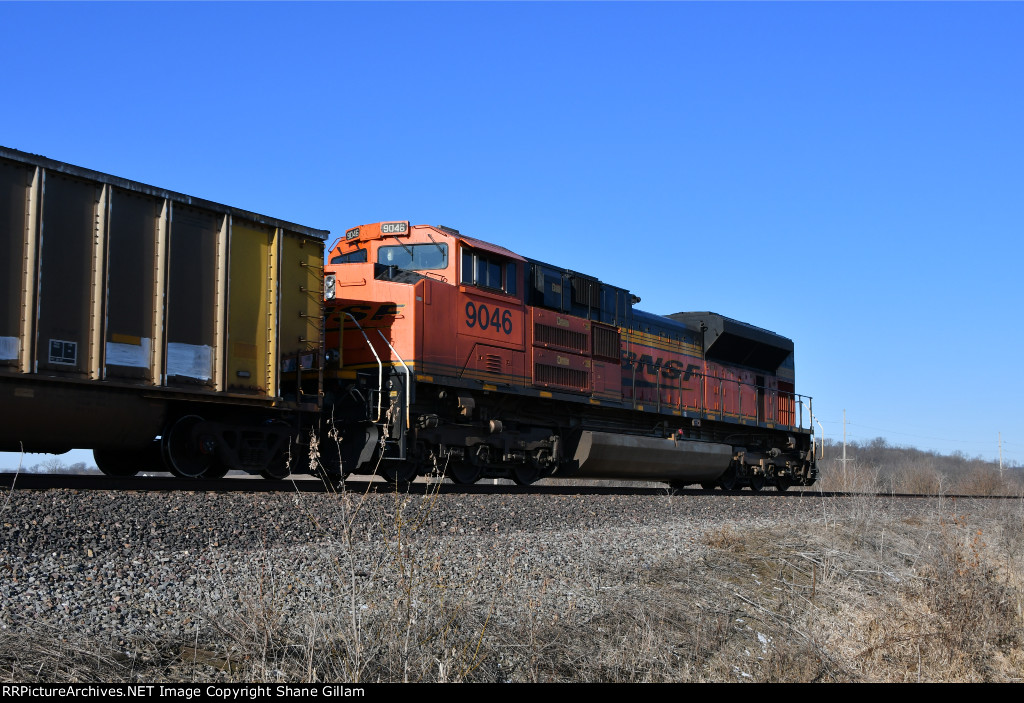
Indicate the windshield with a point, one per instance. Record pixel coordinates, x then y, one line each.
414 257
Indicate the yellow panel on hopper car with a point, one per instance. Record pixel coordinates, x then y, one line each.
251 290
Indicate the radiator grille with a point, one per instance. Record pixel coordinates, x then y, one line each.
606 343
560 376
562 338
586 291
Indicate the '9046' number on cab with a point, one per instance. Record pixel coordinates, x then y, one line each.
484 318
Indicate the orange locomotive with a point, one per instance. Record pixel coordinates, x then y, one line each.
450 355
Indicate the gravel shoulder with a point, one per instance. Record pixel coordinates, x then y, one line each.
389 587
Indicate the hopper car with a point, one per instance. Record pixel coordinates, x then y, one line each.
169 333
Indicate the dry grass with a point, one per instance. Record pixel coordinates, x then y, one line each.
862 594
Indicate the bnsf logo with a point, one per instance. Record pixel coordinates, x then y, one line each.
394 227
669 369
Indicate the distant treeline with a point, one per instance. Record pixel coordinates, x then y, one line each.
56 466
879 465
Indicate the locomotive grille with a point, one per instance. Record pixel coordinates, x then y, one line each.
586 291
606 343
492 363
562 338
560 376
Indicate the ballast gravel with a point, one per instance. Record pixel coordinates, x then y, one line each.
186 565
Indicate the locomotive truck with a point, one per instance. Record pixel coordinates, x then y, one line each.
171 333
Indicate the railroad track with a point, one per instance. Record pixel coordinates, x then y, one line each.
308 484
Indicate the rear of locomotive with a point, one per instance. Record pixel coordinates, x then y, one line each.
729 382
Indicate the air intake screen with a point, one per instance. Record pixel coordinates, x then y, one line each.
561 338
561 376
586 291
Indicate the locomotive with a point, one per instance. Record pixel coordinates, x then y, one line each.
453 356
171 333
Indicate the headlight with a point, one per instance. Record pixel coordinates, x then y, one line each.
329 286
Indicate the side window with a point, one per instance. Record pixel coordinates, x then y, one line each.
487 271
353 257
467 267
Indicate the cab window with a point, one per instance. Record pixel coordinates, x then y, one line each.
353 257
414 257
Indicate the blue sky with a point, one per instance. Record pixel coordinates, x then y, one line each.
849 175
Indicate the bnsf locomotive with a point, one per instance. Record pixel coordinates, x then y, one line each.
460 357
165 332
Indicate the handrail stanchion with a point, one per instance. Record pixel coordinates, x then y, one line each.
405 399
380 366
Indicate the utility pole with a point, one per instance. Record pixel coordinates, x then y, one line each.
844 438
1000 455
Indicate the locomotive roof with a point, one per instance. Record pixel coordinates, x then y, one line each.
487 246
738 342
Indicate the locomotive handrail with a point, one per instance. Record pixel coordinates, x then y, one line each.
792 409
408 377
438 276
380 366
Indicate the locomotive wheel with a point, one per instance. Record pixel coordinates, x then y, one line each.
117 464
182 452
331 467
728 480
398 473
782 483
756 482
525 474
463 473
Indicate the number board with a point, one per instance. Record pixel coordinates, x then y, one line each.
394 227
492 319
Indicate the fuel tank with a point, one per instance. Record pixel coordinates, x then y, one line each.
618 456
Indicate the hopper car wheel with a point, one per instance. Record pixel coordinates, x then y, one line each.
756 482
117 464
728 480
463 473
782 483
280 465
709 485
216 470
183 453
278 468
398 473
